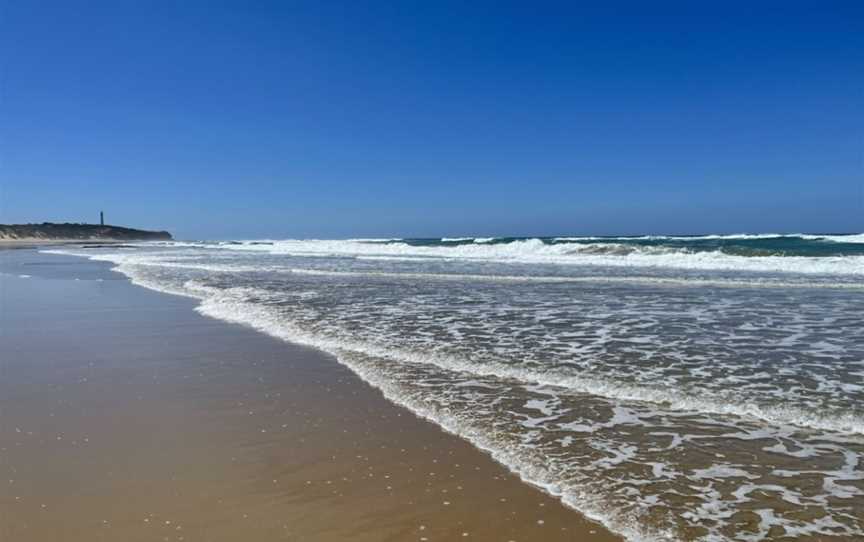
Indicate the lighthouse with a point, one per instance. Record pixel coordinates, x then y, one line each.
101 218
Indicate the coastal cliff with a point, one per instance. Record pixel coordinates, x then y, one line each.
48 231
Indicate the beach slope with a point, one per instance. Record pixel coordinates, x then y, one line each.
126 415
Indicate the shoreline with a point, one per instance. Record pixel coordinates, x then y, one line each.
317 427
42 243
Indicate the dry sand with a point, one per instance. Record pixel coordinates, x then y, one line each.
127 416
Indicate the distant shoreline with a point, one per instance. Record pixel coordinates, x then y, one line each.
69 232
39 243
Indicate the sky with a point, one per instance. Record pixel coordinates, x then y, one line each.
255 119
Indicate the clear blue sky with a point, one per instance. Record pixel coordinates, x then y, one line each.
340 119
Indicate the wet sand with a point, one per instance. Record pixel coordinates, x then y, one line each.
125 415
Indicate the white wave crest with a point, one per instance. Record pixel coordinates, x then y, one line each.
842 238
536 251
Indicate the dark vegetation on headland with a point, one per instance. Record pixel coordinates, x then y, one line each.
68 231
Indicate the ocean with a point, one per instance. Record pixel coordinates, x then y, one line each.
671 387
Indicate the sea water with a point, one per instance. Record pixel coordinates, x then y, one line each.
673 388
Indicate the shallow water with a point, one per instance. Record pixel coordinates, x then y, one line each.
706 388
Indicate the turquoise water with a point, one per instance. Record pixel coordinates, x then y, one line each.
809 245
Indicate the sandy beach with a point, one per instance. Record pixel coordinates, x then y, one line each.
126 415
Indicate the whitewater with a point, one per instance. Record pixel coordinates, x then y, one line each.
703 387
